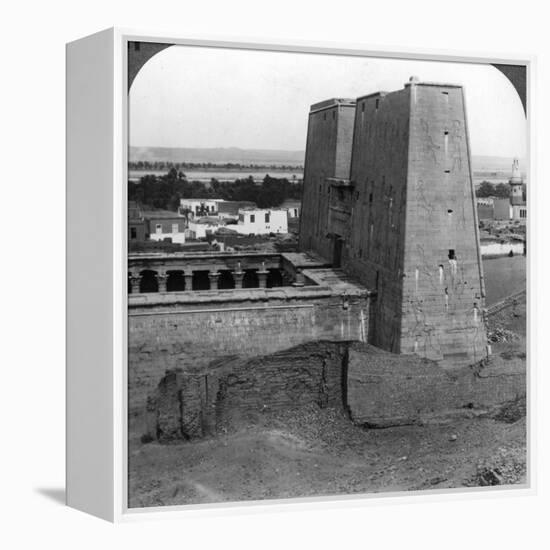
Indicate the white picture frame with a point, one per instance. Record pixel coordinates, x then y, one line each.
97 143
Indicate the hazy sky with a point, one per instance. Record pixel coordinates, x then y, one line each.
208 97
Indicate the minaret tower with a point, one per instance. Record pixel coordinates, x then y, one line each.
516 185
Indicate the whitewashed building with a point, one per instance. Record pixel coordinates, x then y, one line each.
261 221
501 247
163 227
199 207
198 229
502 209
293 207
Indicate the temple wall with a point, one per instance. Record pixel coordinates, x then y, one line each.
193 335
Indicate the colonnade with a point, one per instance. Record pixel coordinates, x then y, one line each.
163 280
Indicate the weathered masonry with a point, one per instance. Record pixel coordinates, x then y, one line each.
395 208
373 387
191 328
206 271
328 158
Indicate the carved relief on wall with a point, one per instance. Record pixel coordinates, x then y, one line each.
430 148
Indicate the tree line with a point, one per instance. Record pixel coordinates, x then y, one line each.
488 189
164 192
161 165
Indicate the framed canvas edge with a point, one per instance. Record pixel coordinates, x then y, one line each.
122 513
120 260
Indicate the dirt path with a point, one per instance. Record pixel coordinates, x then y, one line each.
270 462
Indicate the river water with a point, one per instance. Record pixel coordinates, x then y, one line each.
503 276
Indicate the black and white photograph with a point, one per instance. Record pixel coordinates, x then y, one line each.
326 261
275 275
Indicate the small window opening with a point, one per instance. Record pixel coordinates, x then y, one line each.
446 132
333 115
452 255
324 116
449 211
363 107
445 93
377 103
447 171
370 197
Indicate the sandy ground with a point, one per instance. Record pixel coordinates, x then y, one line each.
315 452
260 462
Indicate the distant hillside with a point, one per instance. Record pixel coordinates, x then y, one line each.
487 163
273 156
216 155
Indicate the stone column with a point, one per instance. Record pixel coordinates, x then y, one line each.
162 279
134 282
238 278
300 279
188 280
214 278
262 278
286 279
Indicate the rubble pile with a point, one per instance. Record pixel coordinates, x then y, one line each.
507 467
498 335
513 411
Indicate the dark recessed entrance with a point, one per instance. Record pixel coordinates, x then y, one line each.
226 280
201 281
175 281
337 252
148 282
250 279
